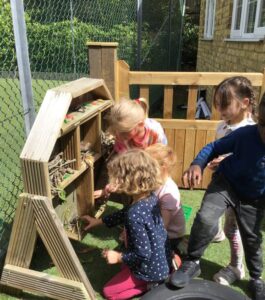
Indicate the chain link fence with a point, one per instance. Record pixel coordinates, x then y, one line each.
57 32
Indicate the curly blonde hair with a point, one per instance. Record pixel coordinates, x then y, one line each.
134 172
164 155
125 115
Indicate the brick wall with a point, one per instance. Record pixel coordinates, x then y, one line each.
220 55
226 56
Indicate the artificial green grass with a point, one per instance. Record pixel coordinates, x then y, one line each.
89 252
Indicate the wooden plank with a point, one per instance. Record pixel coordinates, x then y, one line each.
122 80
109 68
199 144
207 174
102 44
170 134
215 114
85 194
93 108
77 150
192 102
46 180
179 150
189 147
95 62
144 93
262 89
189 78
168 102
57 243
23 235
80 86
188 124
43 284
41 139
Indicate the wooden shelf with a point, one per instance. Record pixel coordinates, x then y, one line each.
77 173
91 109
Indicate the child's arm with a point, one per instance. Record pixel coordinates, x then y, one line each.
141 250
90 221
166 215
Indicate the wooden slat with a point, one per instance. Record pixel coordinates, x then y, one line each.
84 193
41 140
207 174
199 144
122 80
43 284
23 236
102 44
262 89
179 150
188 124
144 93
189 147
192 102
57 243
109 58
95 62
189 78
168 102
80 86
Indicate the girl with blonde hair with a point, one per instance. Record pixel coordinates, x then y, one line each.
146 259
129 124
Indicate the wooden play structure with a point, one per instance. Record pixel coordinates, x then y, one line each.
65 142
60 156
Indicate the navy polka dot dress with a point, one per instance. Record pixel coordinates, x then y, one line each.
148 254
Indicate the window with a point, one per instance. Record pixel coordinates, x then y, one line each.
248 19
209 19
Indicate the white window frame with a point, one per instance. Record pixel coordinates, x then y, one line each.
209 19
258 32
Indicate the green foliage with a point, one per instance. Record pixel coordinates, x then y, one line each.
7 50
55 42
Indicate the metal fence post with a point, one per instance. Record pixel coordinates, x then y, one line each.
23 62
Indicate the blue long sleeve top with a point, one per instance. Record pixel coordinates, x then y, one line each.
245 168
147 254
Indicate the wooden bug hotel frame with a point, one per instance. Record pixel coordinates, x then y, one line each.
58 176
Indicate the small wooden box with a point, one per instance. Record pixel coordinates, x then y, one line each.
62 147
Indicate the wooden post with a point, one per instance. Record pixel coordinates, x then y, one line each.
262 88
102 60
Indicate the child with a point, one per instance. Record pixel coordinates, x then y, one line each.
147 257
169 196
235 100
239 182
129 124
131 128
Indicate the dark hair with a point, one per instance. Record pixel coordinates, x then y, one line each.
239 87
261 114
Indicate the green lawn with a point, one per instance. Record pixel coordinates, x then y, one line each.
89 253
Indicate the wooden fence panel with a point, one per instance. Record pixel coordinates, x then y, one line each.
187 138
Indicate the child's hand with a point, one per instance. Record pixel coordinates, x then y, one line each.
109 188
98 194
192 176
112 257
90 221
212 165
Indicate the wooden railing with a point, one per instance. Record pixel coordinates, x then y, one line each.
171 79
187 136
